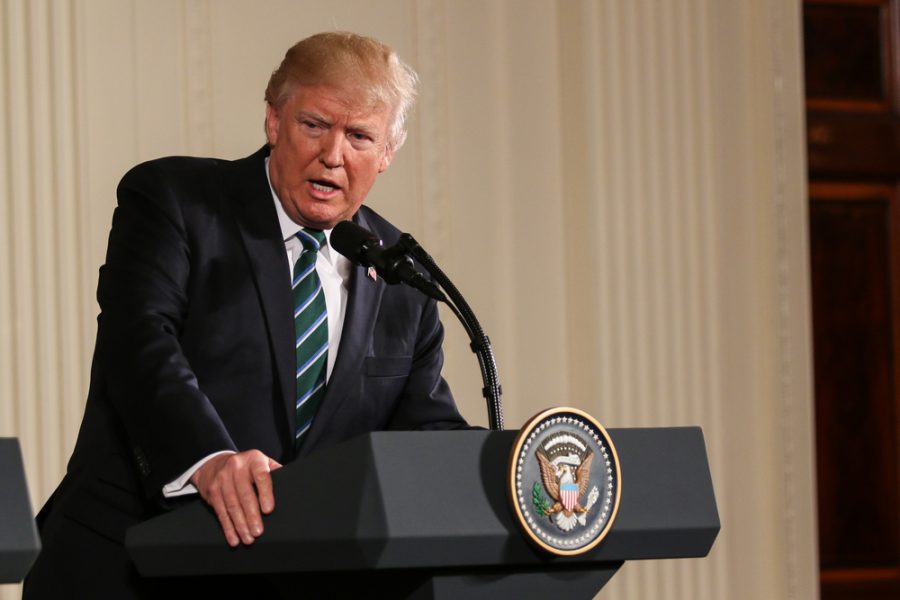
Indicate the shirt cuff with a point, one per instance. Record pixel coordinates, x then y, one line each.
183 486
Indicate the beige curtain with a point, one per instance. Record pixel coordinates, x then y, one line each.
616 185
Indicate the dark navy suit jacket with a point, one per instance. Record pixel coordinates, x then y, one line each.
195 353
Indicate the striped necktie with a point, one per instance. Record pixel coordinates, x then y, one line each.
311 327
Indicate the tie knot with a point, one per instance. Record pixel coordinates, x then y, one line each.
312 239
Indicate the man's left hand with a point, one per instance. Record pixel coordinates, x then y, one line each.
239 489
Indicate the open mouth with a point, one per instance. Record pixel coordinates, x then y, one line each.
323 186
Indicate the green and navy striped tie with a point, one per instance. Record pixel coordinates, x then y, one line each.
311 327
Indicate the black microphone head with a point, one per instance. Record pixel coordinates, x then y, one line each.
354 241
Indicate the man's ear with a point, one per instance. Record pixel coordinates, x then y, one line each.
386 159
272 124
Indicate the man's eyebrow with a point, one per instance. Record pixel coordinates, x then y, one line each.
367 128
305 114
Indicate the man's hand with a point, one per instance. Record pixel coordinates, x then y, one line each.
239 488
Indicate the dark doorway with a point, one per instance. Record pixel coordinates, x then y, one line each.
853 143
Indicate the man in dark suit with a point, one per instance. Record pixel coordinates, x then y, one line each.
196 379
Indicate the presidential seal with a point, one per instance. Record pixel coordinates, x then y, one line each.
565 481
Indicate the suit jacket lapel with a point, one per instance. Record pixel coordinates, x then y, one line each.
363 301
261 235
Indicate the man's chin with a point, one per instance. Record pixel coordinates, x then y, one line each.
317 216
322 221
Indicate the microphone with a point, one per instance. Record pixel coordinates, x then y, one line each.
394 265
362 247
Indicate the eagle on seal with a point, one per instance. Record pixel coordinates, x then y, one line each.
565 483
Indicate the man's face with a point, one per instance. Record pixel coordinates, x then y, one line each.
327 148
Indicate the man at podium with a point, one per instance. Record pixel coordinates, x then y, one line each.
232 336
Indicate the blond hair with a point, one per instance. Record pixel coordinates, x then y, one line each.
349 61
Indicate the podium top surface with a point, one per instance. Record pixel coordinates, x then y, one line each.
390 500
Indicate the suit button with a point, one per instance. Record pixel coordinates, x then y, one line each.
142 463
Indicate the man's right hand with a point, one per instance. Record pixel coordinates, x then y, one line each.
239 489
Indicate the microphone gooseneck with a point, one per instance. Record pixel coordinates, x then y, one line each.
395 265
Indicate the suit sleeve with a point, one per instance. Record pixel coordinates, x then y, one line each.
142 293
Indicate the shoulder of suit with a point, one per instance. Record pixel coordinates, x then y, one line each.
191 172
177 166
374 222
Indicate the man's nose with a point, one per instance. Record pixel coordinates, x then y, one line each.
331 153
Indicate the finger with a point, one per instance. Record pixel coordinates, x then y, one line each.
246 494
218 505
263 481
235 510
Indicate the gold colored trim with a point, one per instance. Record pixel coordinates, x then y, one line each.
513 491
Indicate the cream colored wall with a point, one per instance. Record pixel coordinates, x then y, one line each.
617 186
